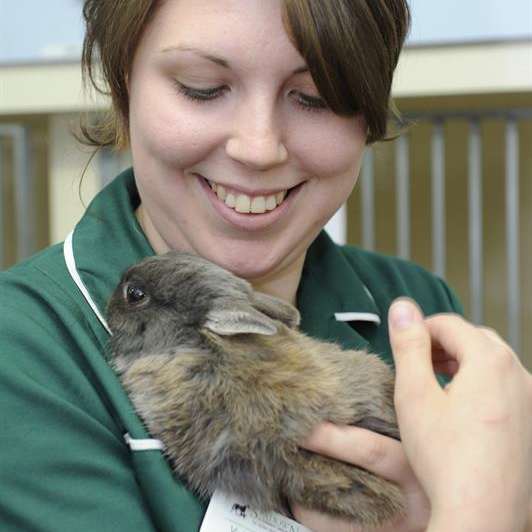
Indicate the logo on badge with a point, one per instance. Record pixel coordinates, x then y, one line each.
239 509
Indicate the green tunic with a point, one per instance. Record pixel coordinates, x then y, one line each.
64 462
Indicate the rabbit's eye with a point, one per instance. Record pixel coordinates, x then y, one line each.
134 294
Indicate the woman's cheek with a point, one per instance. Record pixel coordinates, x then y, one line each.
334 148
174 135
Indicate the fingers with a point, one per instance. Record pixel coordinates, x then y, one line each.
411 347
492 335
372 451
477 350
458 338
449 338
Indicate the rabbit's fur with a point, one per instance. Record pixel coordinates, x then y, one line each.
221 375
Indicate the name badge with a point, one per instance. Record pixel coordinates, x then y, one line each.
227 514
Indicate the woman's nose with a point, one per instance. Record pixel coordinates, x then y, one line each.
255 138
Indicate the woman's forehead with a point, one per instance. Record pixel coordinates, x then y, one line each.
226 21
222 32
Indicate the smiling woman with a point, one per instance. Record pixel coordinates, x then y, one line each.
247 122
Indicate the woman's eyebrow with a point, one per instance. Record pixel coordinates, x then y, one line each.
213 58
301 70
184 48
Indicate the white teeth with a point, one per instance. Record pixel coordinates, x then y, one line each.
220 192
258 205
230 200
270 203
244 203
280 196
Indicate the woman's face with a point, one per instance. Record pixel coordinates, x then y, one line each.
225 119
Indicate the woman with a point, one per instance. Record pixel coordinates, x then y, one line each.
247 122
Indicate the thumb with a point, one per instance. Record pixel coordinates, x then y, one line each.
411 347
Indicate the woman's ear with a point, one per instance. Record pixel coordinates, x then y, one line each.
276 309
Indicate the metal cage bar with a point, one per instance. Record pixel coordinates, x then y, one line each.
23 186
2 205
24 213
512 234
402 194
476 268
368 199
438 199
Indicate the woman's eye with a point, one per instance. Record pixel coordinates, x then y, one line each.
309 103
134 294
201 95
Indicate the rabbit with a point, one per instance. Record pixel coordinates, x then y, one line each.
221 375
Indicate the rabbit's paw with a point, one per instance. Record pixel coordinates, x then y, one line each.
343 490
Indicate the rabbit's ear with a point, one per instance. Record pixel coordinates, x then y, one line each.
276 308
227 322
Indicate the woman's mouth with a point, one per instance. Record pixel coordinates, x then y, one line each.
250 211
246 204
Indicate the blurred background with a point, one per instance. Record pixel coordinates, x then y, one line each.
453 193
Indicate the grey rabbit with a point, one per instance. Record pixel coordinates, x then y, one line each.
221 375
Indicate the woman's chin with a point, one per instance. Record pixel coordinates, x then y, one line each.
250 264
246 267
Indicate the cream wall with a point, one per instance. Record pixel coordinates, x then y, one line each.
73 179
44 88
465 69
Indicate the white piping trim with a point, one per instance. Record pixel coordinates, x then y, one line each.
68 252
369 293
357 316
148 444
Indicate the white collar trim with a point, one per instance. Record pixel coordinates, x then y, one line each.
68 252
145 444
357 316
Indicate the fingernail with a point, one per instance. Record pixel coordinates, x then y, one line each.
401 315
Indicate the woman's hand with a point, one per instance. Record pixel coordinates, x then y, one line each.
470 444
379 454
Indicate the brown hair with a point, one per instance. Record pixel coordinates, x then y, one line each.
113 31
351 48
